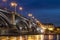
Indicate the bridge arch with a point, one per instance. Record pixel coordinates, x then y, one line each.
5 19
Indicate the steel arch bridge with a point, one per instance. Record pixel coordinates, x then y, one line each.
23 25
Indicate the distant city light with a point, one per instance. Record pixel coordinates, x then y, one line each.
51 29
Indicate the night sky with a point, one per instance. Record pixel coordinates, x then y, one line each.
47 11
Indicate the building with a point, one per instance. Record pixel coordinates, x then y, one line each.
57 30
49 28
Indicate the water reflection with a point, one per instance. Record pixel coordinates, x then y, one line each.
31 37
50 37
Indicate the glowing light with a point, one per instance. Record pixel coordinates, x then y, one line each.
30 37
14 4
30 14
42 37
50 29
58 29
3 38
20 8
38 29
20 28
50 37
42 30
37 37
20 37
12 38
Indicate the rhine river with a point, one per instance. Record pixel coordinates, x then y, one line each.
31 37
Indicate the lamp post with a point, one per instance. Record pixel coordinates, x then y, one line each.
14 4
30 15
20 8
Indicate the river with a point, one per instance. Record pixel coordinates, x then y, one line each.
31 37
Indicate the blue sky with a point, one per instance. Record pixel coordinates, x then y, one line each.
44 10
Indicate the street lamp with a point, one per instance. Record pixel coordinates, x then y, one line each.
14 4
30 21
20 8
30 15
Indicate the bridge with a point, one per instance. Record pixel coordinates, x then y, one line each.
23 25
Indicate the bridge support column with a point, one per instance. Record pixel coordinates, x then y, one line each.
57 37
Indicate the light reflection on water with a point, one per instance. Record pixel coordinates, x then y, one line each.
31 37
